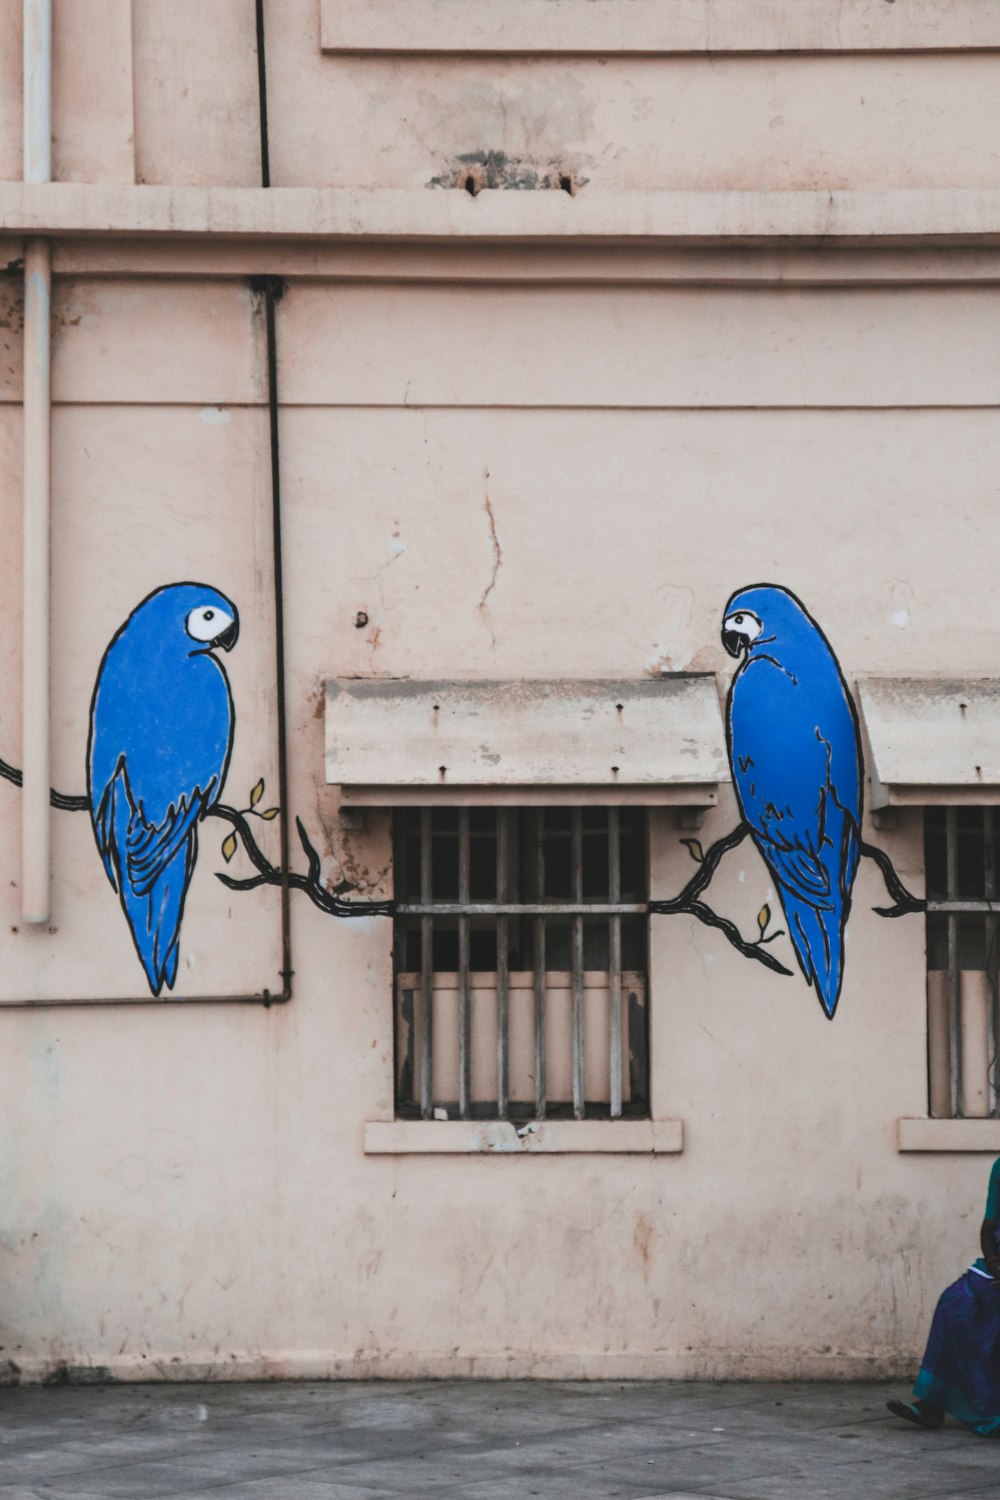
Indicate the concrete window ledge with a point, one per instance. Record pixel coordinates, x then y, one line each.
949 1135
501 1138
900 216
654 26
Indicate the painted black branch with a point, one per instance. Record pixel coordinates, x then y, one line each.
688 904
905 901
57 799
749 950
268 874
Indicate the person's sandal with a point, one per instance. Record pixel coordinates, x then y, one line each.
920 1416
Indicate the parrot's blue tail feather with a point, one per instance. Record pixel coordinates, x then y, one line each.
154 911
818 938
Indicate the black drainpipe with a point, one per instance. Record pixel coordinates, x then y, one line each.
271 288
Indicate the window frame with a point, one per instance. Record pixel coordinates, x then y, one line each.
509 820
949 1091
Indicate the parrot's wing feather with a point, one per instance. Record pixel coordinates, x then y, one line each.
104 818
150 868
152 847
781 767
801 872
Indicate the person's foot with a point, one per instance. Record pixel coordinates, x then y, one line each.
920 1413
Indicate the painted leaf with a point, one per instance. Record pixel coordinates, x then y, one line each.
257 793
229 847
695 850
269 813
763 917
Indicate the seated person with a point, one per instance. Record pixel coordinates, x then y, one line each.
960 1374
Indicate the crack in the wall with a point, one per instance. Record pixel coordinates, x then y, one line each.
497 560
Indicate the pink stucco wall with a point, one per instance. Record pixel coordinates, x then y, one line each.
185 1189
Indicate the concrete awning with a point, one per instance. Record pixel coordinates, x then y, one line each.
933 740
653 741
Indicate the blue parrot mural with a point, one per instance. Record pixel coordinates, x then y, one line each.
161 734
795 752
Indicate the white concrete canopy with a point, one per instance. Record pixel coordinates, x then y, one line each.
652 741
933 740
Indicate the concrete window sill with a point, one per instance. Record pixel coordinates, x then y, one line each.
901 216
949 1135
653 27
500 1138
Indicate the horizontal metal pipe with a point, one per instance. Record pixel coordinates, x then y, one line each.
959 906
522 909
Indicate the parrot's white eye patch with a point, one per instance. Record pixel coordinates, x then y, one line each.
208 622
743 622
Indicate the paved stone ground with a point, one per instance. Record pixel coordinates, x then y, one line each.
480 1441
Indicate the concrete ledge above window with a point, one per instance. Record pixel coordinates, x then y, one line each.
949 1135
538 1137
655 26
935 742
653 741
869 219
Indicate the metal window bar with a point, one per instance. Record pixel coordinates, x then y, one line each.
990 923
503 911
539 957
503 964
426 971
966 1033
464 981
576 857
615 967
954 971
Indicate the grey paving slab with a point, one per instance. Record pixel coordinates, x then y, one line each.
480 1441
262 1489
25 1492
139 1481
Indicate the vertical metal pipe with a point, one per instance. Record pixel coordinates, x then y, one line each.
615 964
954 964
464 997
540 962
35 564
265 150
37 417
426 970
38 90
503 963
577 964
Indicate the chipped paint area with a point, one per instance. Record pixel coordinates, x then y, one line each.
475 170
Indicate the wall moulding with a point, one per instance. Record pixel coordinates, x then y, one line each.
656 27
927 217
541 265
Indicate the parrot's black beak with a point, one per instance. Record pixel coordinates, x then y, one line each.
734 642
227 640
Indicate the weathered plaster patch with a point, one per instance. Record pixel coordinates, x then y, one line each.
476 170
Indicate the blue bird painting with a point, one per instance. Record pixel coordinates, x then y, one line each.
795 753
161 733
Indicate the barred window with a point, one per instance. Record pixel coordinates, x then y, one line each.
960 845
521 963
